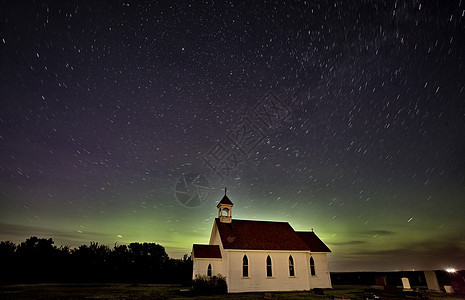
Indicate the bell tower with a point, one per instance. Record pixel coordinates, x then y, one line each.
225 209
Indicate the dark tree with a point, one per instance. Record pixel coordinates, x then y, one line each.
39 260
7 261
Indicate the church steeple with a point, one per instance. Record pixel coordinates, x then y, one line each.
225 209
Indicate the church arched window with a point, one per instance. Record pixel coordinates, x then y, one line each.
269 272
209 270
312 267
291 266
245 266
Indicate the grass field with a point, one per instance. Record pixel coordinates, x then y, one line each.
162 291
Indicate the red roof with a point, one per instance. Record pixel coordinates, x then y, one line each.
312 241
225 200
206 251
263 235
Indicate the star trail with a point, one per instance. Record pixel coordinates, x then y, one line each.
123 122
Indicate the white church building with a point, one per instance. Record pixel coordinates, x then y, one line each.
259 256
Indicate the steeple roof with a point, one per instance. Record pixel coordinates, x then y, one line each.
225 199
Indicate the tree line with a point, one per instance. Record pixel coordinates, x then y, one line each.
39 260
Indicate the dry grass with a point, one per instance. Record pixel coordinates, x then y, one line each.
165 291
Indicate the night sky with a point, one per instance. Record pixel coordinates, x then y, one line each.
123 122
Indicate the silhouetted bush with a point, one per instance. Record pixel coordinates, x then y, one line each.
204 285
